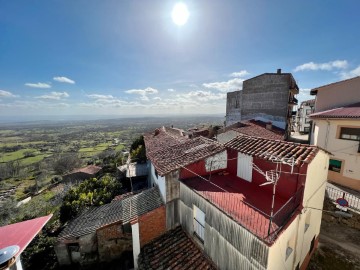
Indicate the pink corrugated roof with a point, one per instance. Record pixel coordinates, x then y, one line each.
350 111
22 233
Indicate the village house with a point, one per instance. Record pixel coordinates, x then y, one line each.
254 205
14 239
84 173
107 232
336 128
133 175
267 97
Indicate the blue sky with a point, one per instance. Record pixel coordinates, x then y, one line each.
123 58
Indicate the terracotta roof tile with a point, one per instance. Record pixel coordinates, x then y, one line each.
268 149
91 169
184 153
350 111
173 250
258 129
118 210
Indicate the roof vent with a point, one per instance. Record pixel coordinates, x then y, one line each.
278 71
7 256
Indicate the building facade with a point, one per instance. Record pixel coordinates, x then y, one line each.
302 116
267 97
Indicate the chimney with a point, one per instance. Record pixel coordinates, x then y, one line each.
278 71
269 125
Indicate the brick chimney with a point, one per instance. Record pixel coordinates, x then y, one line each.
278 71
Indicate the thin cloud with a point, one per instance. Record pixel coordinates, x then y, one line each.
148 90
38 85
171 90
241 73
54 96
64 80
6 94
97 96
233 84
157 98
351 73
337 64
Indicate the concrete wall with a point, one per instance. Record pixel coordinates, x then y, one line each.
327 136
264 97
306 224
338 94
233 104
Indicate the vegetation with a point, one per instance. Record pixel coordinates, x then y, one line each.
92 192
138 152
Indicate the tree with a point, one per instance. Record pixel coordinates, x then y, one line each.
91 192
66 163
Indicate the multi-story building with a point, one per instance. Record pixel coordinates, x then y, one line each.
253 204
302 116
336 128
267 97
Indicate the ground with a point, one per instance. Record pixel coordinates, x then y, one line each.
339 243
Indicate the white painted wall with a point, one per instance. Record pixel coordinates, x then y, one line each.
216 162
159 181
244 166
136 243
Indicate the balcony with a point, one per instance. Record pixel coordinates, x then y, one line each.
247 204
293 100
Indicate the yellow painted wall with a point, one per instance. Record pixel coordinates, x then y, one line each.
313 197
327 137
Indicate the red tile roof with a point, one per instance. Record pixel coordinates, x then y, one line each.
350 111
22 233
91 169
173 250
258 129
314 91
162 137
268 149
183 153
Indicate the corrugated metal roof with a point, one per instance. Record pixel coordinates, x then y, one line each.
21 233
350 111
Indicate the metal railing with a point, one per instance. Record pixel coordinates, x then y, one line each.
333 194
199 230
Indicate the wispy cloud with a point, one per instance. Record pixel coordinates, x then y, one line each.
38 85
351 73
97 96
157 98
171 90
148 90
54 96
7 94
337 64
241 73
64 80
233 84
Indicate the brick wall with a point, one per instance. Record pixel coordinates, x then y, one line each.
152 225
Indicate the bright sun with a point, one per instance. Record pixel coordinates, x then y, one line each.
180 14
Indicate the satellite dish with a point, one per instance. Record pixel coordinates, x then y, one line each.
7 253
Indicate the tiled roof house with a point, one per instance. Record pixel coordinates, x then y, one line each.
224 201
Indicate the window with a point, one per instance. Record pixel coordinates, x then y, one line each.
307 120
199 223
244 166
352 134
335 165
290 247
307 221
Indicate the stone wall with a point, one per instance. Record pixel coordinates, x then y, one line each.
113 241
233 103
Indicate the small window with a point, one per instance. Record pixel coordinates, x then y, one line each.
335 165
307 221
352 134
199 223
290 247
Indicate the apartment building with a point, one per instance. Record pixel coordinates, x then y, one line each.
306 108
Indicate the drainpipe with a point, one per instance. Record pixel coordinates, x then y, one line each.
327 134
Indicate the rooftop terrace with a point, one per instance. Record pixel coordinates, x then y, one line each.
246 203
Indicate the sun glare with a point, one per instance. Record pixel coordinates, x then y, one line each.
180 14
